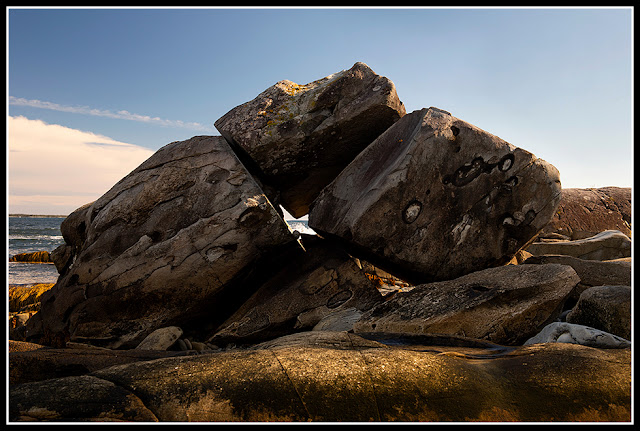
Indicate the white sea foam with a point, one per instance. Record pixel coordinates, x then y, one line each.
301 227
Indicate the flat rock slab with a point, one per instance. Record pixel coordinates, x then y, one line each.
299 137
30 362
606 245
156 250
341 377
591 272
434 198
505 305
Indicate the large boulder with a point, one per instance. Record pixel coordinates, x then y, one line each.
504 305
434 198
607 245
607 308
585 212
161 247
322 281
342 377
299 137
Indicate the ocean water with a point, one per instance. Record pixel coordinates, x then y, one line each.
28 234
31 233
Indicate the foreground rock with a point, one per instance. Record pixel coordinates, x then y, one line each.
504 305
607 308
324 280
161 248
30 362
342 377
607 245
563 332
301 136
583 213
434 198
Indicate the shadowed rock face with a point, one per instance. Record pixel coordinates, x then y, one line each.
434 198
323 280
297 138
337 376
187 225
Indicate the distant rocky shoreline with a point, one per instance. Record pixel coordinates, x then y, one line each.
451 277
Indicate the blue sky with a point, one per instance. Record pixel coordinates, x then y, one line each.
96 91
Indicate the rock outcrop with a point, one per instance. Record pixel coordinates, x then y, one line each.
583 213
434 198
184 296
32 257
299 137
504 305
342 377
177 240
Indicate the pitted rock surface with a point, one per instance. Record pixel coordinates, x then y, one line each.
434 198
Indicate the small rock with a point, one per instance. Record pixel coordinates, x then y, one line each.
161 339
562 332
342 320
607 308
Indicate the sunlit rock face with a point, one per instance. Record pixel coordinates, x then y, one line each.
297 138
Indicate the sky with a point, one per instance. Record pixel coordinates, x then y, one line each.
92 93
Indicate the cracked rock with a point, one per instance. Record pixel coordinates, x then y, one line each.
186 226
297 138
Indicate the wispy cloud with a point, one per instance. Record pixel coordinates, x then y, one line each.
121 115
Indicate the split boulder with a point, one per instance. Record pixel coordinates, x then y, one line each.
297 138
434 198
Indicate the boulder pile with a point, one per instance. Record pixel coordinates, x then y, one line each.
424 286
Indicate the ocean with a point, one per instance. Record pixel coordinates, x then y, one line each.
42 233
28 234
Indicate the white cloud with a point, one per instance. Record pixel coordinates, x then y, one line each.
54 169
121 115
